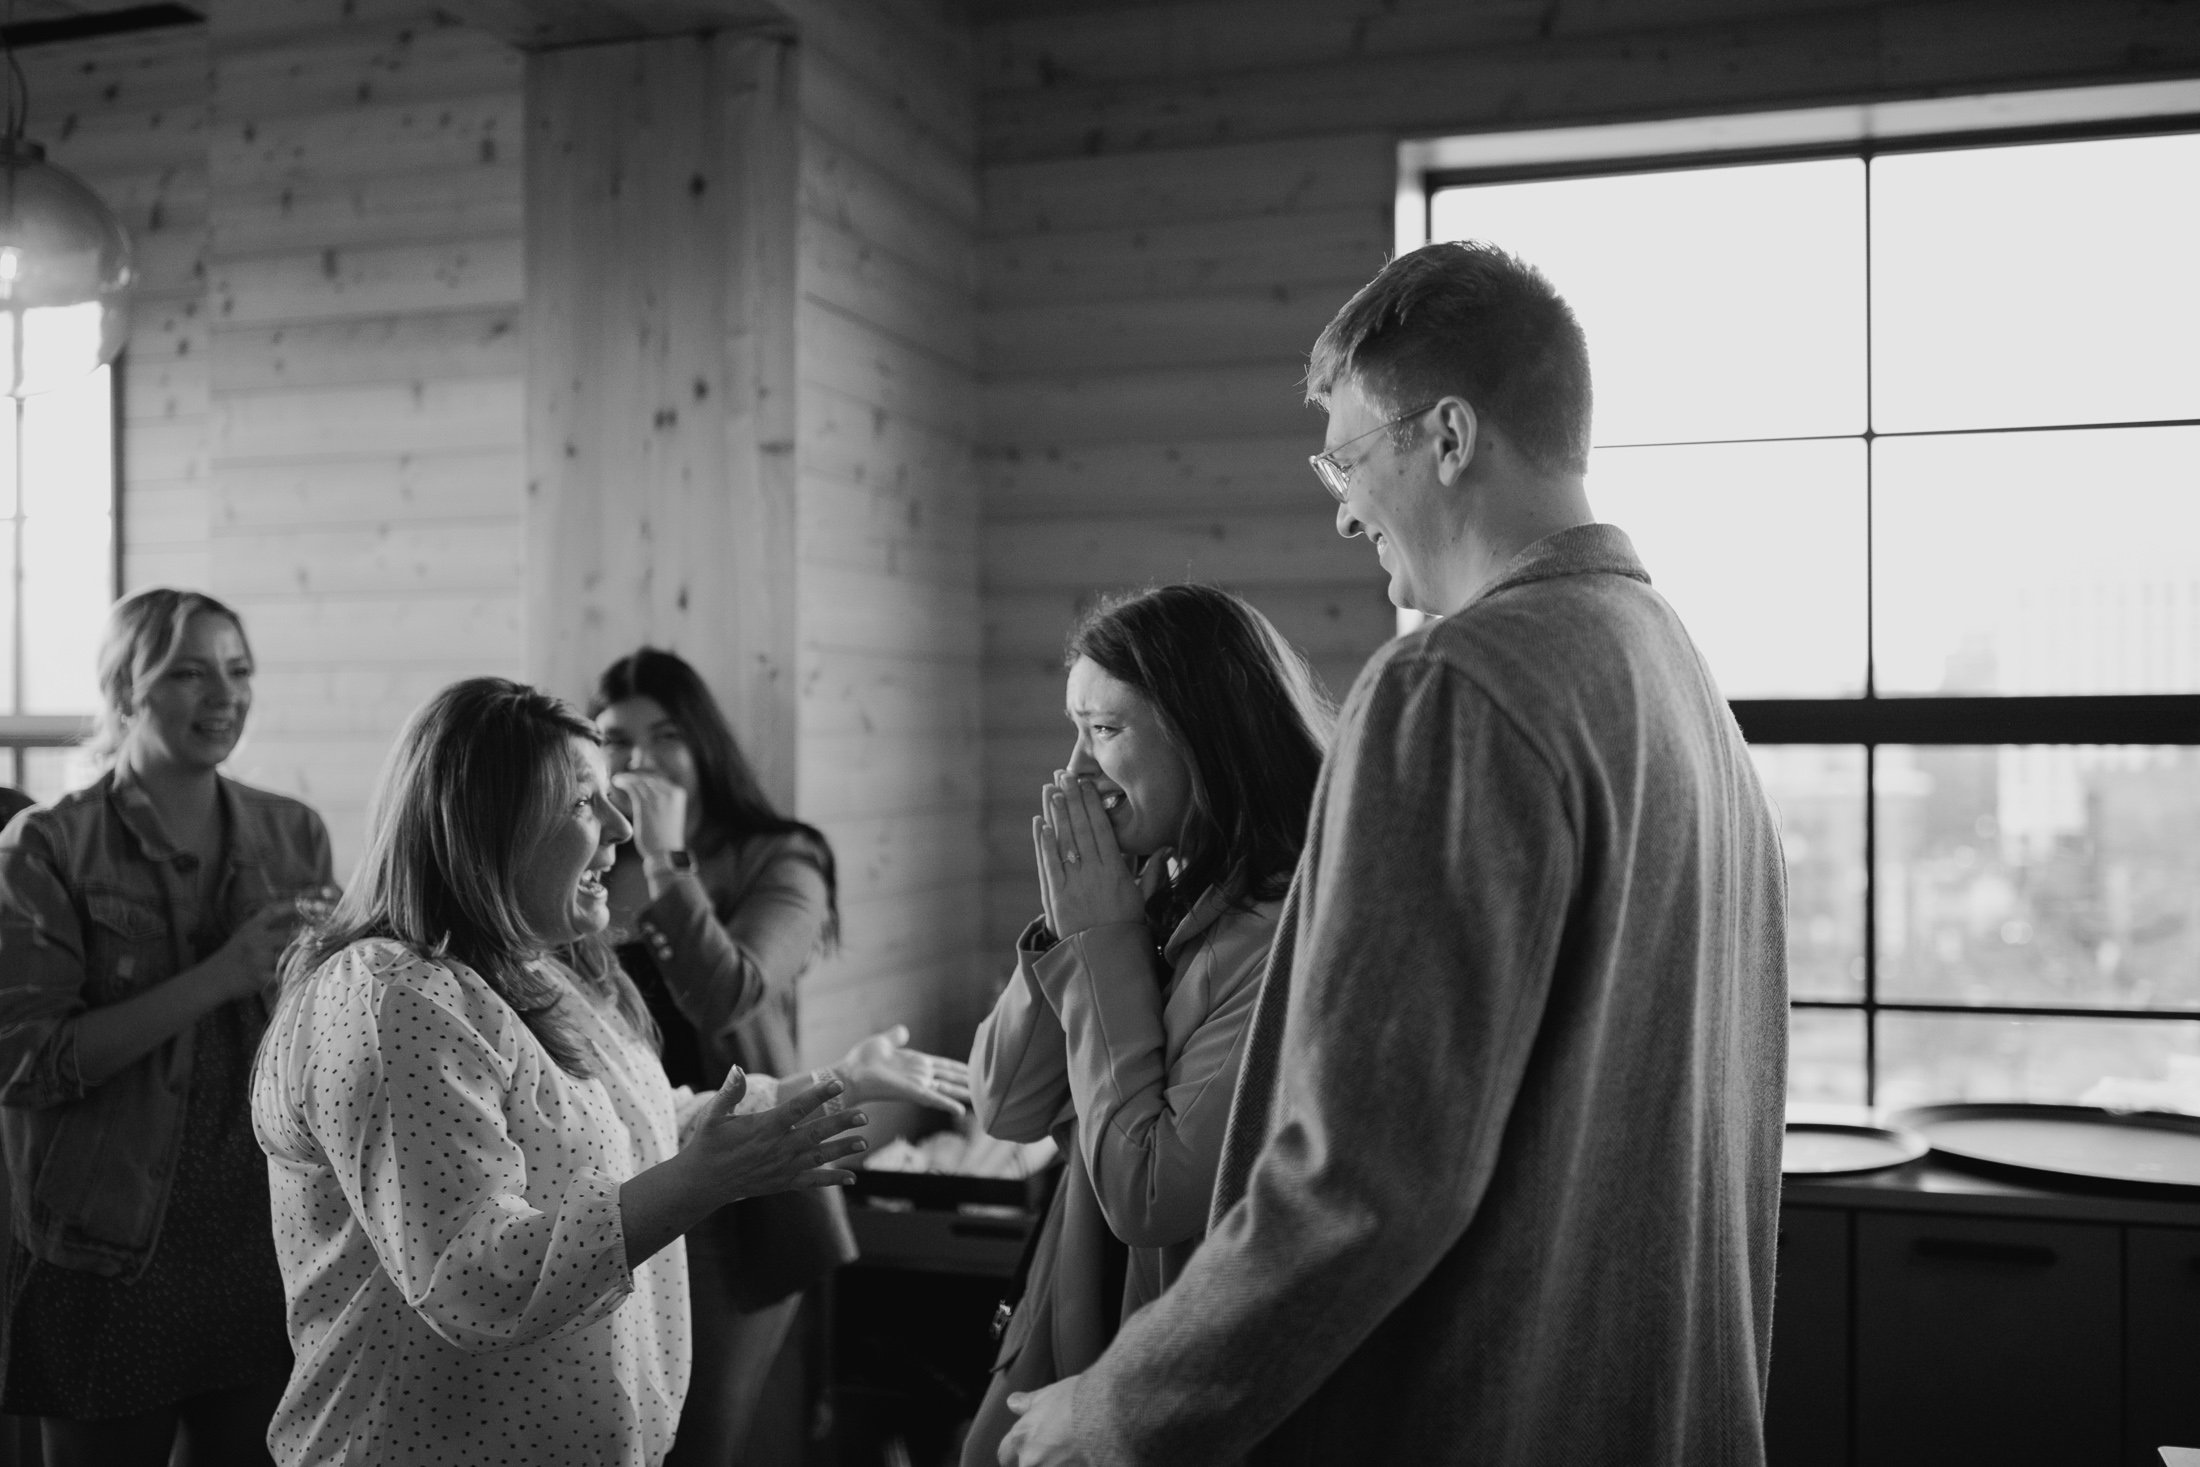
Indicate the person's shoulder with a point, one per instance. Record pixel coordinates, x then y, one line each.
51 826
374 967
744 860
269 805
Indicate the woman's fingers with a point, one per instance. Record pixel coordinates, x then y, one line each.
796 1107
1083 823
1049 858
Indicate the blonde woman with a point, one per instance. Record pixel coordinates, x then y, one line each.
140 924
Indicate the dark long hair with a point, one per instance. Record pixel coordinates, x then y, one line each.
476 777
1248 715
734 804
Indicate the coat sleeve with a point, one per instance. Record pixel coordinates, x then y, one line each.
42 975
1433 896
720 972
405 1097
1019 1063
1151 1129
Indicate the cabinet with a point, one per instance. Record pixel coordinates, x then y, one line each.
2161 1339
1984 1340
1807 1415
1925 1316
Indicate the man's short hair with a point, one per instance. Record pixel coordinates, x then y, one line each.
1466 320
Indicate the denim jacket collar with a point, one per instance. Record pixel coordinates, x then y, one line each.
246 845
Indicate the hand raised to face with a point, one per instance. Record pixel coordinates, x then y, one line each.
1084 878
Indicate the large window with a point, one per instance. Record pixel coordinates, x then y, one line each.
57 542
1905 421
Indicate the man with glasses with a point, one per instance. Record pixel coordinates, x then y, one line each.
1502 1178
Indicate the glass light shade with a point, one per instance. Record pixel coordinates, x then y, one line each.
65 274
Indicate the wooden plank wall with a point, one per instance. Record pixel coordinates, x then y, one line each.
660 372
365 373
1178 195
887 524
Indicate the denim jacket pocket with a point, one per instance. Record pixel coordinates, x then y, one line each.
126 948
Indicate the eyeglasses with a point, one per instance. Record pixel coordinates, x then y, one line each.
1335 474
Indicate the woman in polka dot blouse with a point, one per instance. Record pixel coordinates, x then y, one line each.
480 1174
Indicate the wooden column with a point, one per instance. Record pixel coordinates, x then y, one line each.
660 505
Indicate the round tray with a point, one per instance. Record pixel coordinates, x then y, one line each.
1828 1149
2149 1151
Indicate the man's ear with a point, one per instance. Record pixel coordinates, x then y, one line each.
1458 436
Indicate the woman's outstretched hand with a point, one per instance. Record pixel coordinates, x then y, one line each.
790 1147
727 1157
1084 878
884 1068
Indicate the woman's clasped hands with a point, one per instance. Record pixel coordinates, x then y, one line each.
1085 880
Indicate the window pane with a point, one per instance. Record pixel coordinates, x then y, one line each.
1818 793
1825 1057
48 774
2062 875
1760 548
7 613
2040 284
1718 302
2038 562
1930 1058
68 542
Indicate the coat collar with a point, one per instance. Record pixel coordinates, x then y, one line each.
1203 915
1576 551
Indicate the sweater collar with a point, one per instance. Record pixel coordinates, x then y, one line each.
1578 550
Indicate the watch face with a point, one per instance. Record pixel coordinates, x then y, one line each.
680 860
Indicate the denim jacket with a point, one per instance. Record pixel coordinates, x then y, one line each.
96 906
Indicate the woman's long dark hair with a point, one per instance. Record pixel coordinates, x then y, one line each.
477 776
1248 715
734 805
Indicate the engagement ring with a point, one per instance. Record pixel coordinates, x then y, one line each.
1070 858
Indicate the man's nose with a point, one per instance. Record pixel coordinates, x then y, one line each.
1348 524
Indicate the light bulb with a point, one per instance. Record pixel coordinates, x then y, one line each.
65 274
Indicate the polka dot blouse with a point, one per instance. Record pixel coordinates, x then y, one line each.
446 1212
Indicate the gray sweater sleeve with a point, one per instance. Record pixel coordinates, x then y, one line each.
1433 895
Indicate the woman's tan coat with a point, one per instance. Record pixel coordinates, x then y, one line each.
1128 1059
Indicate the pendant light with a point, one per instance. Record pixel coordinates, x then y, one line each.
65 267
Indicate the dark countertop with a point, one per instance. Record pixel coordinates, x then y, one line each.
1932 1185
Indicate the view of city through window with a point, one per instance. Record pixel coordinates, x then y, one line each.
1926 425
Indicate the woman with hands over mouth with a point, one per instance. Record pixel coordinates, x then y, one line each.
480 1174
1163 852
722 904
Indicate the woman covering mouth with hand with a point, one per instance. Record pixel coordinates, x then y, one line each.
1163 851
726 903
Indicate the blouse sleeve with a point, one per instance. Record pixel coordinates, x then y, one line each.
719 972
1019 1064
406 1099
1150 1125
